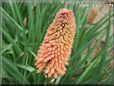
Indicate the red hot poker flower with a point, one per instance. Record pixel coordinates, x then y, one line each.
92 15
55 50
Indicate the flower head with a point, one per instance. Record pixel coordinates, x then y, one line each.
92 15
55 50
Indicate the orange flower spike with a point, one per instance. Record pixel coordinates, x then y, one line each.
55 50
92 15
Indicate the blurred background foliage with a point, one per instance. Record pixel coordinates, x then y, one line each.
24 24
